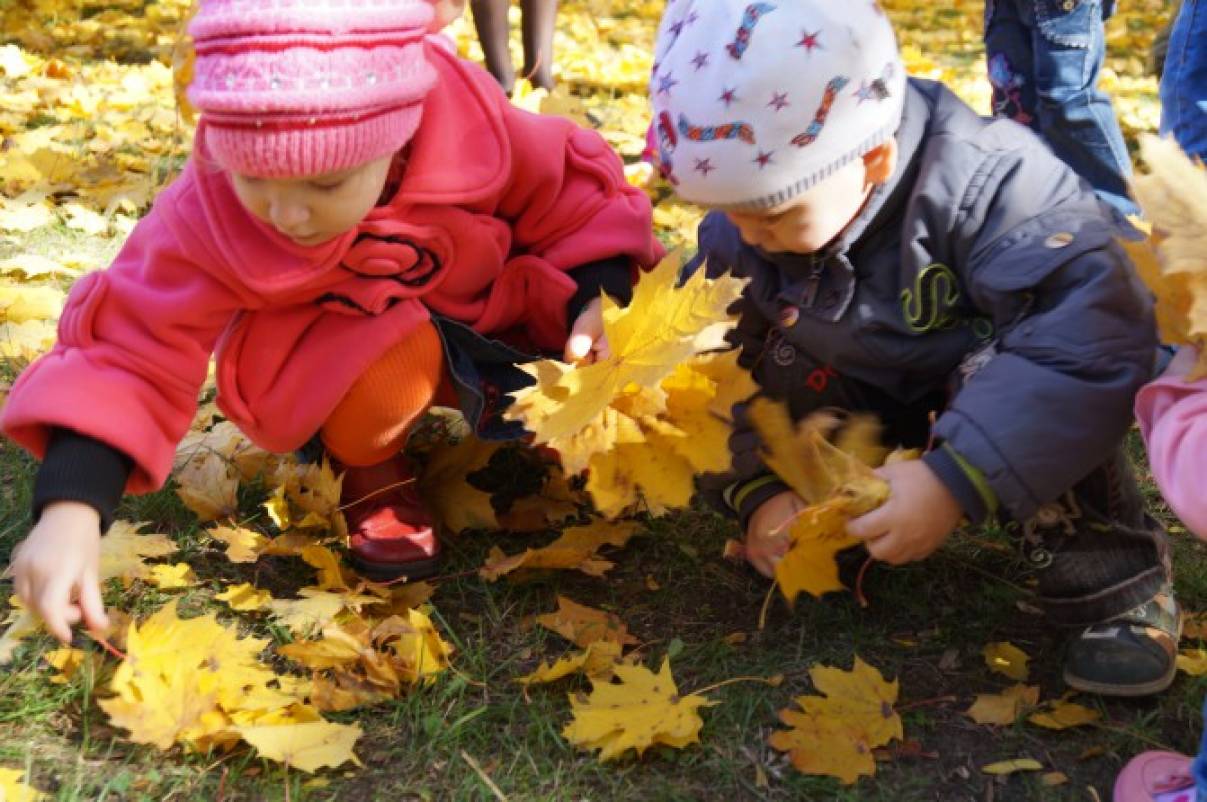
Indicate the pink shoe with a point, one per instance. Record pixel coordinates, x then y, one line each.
1156 777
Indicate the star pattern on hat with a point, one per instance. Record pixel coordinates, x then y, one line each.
729 97
809 41
666 83
704 166
764 158
779 101
700 60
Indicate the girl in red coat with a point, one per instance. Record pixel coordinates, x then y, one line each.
366 227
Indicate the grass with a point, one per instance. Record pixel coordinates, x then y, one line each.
434 743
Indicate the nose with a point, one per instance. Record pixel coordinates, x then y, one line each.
287 215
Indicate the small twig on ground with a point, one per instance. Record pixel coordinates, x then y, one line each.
1131 734
107 646
938 700
482 775
376 492
766 606
863 570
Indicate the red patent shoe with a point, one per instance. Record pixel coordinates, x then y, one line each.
391 535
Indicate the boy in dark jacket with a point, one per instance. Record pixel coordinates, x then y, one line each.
908 258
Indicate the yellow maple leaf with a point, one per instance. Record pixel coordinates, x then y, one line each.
184 678
1173 263
13 790
663 327
307 496
820 532
1006 659
208 485
1004 708
242 545
330 570
584 625
123 549
457 504
639 710
245 597
337 648
172 577
303 616
576 548
835 734
20 303
308 747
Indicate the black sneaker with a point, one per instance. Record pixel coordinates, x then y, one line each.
1131 655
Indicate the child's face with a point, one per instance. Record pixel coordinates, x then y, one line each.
812 220
316 208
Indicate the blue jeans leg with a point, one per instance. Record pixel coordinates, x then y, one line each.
1044 60
1184 83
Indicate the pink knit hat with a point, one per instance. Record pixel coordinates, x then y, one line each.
290 88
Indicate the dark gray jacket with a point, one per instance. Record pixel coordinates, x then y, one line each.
983 283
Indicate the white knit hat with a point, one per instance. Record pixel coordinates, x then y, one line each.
756 102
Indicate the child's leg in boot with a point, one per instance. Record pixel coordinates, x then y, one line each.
390 533
1103 564
537 29
490 21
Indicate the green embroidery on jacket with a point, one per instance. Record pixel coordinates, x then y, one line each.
927 307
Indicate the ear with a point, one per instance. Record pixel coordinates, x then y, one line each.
881 161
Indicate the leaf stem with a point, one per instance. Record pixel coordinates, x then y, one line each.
767 605
774 682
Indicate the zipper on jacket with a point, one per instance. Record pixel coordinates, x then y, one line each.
819 266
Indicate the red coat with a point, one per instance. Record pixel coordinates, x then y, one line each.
495 205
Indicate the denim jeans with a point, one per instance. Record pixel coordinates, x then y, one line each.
1184 82
1044 58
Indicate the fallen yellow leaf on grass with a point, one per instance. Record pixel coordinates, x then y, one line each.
308 747
242 545
123 550
834 735
13 790
457 504
1004 708
597 661
1062 715
173 577
574 549
1006 659
1192 661
584 625
639 710
208 485
1012 766
245 598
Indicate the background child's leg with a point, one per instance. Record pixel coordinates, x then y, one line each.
1075 117
1008 56
1184 82
538 25
490 20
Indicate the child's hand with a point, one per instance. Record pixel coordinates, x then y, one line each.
587 341
918 517
767 538
55 569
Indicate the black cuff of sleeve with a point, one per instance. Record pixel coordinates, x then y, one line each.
951 474
81 468
613 276
767 487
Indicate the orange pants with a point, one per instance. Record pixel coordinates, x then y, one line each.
371 423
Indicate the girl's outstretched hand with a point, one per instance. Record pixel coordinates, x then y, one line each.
55 569
587 341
